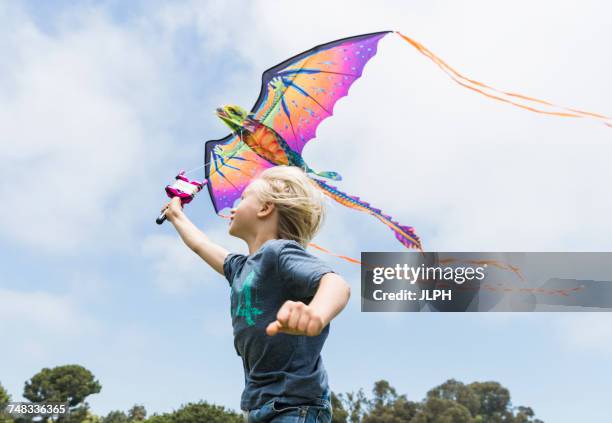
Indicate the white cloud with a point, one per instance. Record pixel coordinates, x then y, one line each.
217 324
98 105
37 324
177 269
88 108
472 173
85 124
41 310
585 332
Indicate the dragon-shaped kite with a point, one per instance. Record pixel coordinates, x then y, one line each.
296 96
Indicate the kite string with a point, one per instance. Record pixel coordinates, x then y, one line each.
195 168
206 163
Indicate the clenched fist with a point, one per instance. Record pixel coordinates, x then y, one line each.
173 208
296 318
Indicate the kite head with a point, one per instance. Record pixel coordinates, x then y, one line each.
232 116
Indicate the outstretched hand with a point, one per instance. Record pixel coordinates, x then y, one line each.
173 208
296 318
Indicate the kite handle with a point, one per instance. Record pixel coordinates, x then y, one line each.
161 218
183 188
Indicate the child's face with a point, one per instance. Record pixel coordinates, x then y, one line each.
245 215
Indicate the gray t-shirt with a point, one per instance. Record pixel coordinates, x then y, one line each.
282 366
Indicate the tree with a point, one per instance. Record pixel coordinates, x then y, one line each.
71 383
116 417
4 397
405 410
525 415
89 418
198 412
355 405
339 414
450 402
387 407
456 391
137 413
4 400
438 410
494 402
80 414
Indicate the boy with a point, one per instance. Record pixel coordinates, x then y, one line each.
282 297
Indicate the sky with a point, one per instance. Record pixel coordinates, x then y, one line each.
101 103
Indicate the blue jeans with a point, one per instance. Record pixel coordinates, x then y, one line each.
273 411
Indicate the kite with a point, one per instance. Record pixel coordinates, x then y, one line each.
296 96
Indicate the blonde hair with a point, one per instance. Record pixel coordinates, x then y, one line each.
300 203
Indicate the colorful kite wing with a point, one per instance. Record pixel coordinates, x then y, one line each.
298 94
229 166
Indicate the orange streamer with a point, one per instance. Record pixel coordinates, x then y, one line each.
472 85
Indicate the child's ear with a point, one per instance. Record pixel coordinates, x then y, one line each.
266 209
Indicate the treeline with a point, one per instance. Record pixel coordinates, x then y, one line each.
451 402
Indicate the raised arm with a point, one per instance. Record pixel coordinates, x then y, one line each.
297 318
195 239
332 296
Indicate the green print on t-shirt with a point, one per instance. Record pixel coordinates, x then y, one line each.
245 306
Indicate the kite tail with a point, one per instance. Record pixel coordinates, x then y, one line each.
404 234
515 99
334 176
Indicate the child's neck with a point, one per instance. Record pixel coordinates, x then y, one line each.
257 241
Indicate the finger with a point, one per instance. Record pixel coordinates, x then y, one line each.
303 322
285 311
274 328
296 313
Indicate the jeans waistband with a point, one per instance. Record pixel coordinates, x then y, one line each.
326 395
321 401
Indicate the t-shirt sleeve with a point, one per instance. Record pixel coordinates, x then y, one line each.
232 263
300 271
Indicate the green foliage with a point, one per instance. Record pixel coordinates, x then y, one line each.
450 402
116 417
456 391
198 412
339 414
494 401
71 383
4 397
4 400
438 410
388 407
137 413
525 415
80 414
354 405
90 418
